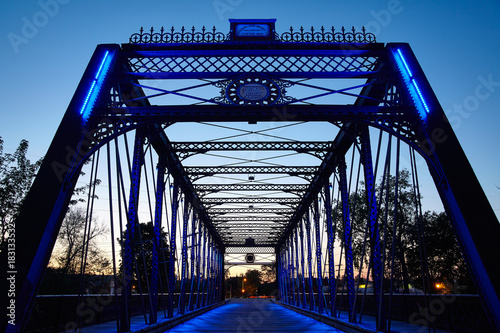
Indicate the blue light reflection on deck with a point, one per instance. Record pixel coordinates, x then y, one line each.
251 315
96 85
412 84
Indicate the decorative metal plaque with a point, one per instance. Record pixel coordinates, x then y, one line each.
255 91
252 30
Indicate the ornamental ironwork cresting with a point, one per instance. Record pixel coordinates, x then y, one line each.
301 35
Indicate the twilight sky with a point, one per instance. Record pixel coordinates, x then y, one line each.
46 45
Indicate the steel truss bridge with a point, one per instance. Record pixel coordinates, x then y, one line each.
255 142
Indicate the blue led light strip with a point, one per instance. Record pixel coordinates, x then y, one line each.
96 85
412 80
404 62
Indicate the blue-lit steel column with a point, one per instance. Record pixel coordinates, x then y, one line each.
193 258
215 290
208 279
132 221
214 272
302 264
349 270
287 266
221 295
217 295
213 279
292 268
198 262
216 286
319 278
312 302
160 189
277 252
217 274
284 275
331 240
210 270
295 240
377 268
204 275
182 294
171 263
279 275
223 279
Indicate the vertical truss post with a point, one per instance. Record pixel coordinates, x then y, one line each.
279 275
220 272
288 284
277 251
160 189
220 280
214 273
349 270
331 240
222 276
198 262
377 268
182 294
223 282
171 263
215 289
282 278
193 256
204 269
318 256
295 238
302 264
132 221
292 268
283 274
215 277
312 303
206 299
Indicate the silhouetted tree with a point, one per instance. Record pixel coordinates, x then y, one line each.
143 251
254 279
268 272
444 258
16 176
70 244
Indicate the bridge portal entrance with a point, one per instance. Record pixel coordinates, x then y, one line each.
303 145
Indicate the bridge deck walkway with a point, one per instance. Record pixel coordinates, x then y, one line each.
256 316
263 316
252 316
